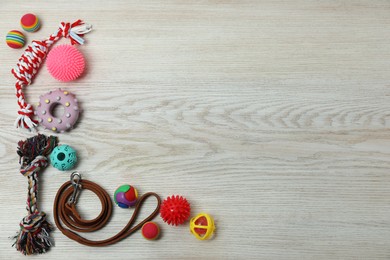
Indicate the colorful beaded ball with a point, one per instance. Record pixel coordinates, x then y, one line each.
175 210
150 230
30 23
126 196
65 63
63 157
15 39
202 226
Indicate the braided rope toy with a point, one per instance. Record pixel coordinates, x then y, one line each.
32 59
33 236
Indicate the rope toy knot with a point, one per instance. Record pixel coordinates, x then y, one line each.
33 222
27 111
35 166
65 29
25 117
74 31
34 237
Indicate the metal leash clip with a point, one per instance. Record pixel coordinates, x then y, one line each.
75 179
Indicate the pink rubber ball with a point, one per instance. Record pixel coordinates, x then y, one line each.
65 63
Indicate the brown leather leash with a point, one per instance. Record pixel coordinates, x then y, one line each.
65 211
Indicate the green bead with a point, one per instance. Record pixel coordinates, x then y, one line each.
63 157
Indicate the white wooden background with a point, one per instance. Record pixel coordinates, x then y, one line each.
273 116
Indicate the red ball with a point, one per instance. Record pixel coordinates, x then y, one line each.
150 230
175 210
202 221
30 23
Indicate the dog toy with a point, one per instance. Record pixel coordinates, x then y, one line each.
202 226
150 230
49 101
175 210
30 23
15 39
30 62
69 221
126 196
65 63
63 157
34 236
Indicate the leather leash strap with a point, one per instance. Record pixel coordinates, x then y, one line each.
65 211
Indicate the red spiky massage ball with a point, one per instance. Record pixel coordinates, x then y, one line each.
175 210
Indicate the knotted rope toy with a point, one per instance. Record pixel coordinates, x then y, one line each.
32 59
33 236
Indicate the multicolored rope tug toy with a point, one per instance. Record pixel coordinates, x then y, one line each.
32 59
33 237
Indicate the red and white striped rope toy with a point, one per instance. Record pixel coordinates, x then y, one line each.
30 62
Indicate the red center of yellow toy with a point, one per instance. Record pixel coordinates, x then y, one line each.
202 221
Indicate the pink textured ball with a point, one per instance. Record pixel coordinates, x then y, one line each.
65 63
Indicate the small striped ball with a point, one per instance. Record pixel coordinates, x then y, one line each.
15 39
30 23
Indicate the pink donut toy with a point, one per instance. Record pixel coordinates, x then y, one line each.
46 105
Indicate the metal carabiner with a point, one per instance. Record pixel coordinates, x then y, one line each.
75 179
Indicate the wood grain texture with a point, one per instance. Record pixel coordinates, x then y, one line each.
273 116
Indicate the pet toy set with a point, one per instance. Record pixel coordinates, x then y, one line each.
66 63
